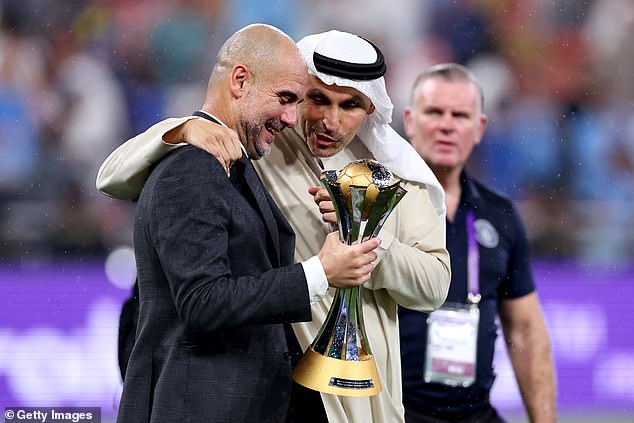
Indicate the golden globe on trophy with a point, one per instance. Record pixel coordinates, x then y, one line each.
340 361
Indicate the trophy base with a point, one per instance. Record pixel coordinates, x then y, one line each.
340 377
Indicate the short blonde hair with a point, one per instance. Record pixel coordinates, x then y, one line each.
448 72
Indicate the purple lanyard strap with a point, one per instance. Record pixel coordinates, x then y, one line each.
473 261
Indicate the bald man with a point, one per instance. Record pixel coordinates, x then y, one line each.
217 282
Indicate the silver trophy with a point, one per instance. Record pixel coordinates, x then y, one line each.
340 361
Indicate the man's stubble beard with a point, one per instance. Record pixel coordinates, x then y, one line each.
311 142
261 147
252 131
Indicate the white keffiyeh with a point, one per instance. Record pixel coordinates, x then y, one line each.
387 146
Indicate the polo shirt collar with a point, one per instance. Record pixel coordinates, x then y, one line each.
470 196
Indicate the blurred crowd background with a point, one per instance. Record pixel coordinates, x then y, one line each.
79 77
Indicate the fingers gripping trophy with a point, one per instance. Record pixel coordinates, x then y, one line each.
339 361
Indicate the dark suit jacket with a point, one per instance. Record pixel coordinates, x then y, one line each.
127 328
216 283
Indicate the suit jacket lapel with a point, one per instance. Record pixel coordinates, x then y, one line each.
262 199
271 214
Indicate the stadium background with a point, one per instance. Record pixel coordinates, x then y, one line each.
79 77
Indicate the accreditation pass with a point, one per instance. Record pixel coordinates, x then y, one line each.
452 335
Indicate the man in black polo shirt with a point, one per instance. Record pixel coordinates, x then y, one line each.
447 356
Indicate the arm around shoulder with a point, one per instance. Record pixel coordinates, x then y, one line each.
124 172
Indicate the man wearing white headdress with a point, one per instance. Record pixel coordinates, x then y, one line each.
345 117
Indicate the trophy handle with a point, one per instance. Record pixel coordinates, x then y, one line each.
344 220
386 201
357 202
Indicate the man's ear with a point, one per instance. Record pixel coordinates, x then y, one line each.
407 121
481 127
371 109
239 81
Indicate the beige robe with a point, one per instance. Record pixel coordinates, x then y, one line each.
413 267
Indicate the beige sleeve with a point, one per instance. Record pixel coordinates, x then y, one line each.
414 265
124 172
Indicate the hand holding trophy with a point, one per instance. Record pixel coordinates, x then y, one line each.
340 361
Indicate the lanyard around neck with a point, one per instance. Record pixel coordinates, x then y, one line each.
473 261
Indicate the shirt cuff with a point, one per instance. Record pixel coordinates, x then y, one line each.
171 146
315 278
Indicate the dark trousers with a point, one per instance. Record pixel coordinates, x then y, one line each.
484 415
306 406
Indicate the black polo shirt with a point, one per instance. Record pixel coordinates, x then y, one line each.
504 274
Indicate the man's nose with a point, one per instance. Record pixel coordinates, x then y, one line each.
447 122
289 117
330 118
